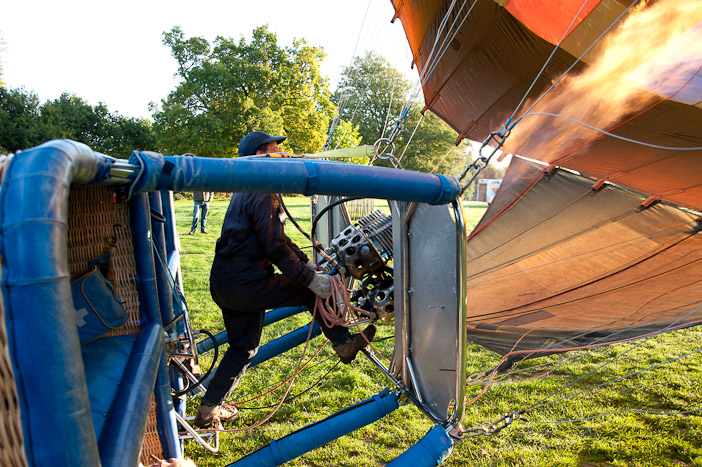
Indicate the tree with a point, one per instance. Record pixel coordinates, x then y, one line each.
235 87
372 95
71 117
345 135
432 148
20 120
25 123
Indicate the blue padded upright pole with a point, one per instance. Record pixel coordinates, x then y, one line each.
429 451
123 434
41 330
143 254
158 237
312 436
171 232
166 425
271 317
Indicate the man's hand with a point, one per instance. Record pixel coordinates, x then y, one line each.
312 265
321 285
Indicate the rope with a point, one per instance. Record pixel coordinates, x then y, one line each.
295 396
615 412
291 380
337 313
430 63
565 359
507 127
565 156
581 56
342 100
430 66
609 133
333 315
277 386
611 360
392 96
548 60
492 428
607 383
410 138
549 349
442 159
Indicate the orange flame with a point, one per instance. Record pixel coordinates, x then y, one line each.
652 55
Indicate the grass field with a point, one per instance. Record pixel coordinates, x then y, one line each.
324 386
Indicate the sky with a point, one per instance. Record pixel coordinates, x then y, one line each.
112 52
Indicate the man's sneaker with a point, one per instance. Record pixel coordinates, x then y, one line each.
204 231
192 232
348 350
209 414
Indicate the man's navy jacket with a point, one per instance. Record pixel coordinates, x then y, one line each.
253 239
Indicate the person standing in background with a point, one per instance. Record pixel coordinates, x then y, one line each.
201 200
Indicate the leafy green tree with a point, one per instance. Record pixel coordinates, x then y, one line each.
25 123
71 117
372 95
20 120
234 87
432 148
346 135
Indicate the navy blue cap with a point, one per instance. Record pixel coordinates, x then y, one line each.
251 142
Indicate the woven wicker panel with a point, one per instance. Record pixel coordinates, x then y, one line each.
96 225
151 448
11 441
4 161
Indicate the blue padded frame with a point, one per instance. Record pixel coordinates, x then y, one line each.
185 173
39 309
312 436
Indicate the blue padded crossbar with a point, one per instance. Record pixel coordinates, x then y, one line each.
312 436
429 451
276 346
285 343
271 317
184 173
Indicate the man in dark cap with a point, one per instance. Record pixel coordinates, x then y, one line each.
243 284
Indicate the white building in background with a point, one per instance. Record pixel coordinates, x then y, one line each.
486 189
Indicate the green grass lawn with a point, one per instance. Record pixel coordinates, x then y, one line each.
325 386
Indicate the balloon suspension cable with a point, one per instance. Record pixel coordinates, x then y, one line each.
481 162
390 142
343 99
292 219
